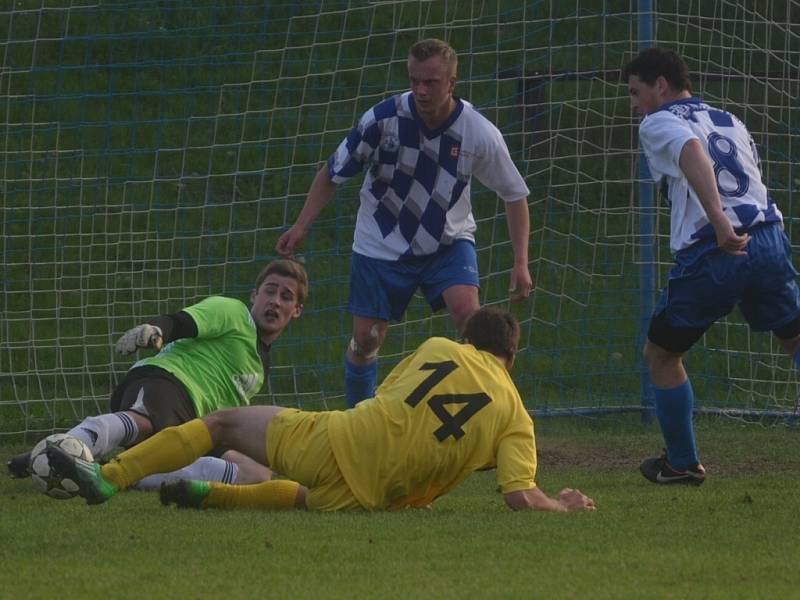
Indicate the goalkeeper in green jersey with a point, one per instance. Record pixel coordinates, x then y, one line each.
445 411
211 355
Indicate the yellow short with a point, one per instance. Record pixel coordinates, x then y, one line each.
298 448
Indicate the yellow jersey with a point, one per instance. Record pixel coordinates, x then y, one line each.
444 412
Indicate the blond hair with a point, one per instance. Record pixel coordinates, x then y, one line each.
425 49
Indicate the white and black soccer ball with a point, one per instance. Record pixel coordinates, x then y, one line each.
44 478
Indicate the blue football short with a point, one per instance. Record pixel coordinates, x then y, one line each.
382 289
705 284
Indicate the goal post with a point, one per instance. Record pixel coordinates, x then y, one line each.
152 154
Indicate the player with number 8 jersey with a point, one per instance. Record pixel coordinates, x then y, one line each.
727 238
734 158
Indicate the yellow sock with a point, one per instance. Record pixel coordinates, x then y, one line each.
168 450
272 495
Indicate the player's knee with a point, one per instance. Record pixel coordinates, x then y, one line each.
143 424
461 308
658 359
220 426
248 470
363 352
648 354
461 315
365 345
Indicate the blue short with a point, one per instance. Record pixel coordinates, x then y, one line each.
382 289
705 284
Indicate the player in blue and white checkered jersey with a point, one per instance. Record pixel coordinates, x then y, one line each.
727 238
415 227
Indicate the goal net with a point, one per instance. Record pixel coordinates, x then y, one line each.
152 154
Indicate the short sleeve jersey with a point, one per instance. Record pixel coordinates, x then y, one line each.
733 155
444 412
221 367
415 196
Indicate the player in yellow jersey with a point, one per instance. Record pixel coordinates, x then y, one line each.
445 411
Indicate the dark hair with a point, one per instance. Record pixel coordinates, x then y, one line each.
493 330
424 49
653 63
287 268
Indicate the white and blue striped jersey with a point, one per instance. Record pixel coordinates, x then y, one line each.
416 192
733 155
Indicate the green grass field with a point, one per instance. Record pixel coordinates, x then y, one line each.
153 152
735 537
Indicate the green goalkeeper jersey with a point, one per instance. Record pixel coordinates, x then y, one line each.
221 367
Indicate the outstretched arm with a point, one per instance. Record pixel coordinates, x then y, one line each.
569 500
519 229
157 332
698 170
320 193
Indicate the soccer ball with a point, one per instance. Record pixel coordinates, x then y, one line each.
45 479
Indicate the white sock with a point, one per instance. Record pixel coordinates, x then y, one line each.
104 433
205 468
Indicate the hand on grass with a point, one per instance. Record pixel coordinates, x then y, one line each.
575 500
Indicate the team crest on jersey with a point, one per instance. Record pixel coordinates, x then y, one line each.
455 150
246 384
687 110
390 143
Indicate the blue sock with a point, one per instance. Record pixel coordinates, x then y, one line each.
674 412
359 381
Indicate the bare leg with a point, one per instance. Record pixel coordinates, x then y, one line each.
243 429
461 301
249 470
143 424
665 367
361 359
368 336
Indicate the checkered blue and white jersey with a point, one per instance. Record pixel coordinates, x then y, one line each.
416 192
733 155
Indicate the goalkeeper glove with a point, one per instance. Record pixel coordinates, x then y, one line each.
141 336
